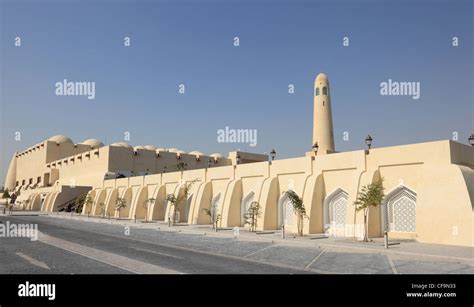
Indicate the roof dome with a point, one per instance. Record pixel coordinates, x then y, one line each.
60 139
160 149
120 144
321 77
150 147
173 149
180 152
196 153
216 155
93 143
138 147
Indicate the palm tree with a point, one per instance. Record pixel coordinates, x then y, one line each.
371 195
298 208
119 205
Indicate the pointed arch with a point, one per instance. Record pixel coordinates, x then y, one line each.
285 211
335 212
245 206
399 210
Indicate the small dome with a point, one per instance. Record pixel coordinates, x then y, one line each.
173 149
120 144
321 77
138 147
180 152
160 149
60 139
150 147
196 153
93 143
216 155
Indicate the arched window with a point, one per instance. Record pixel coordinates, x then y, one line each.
334 215
317 91
325 91
400 210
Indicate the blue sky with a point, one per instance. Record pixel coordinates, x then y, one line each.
245 87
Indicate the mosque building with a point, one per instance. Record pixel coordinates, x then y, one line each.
429 187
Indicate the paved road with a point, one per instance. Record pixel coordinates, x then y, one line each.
74 246
80 247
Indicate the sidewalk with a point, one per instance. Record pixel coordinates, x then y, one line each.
396 247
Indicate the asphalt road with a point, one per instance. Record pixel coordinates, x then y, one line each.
72 246
69 247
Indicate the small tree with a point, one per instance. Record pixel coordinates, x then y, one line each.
215 218
102 209
146 204
80 202
119 205
252 215
88 202
26 203
175 200
6 194
370 196
181 166
298 208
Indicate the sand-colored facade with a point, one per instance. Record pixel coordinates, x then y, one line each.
429 187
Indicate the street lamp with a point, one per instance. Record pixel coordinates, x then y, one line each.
315 148
164 169
209 163
471 139
368 141
239 158
273 153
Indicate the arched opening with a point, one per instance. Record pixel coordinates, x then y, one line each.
317 91
325 91
158 207
188 207
285 211
111 201
399 212
215 207
335 208
245 206
127 196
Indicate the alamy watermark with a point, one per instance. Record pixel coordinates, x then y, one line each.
70 88
400 88
228 135
12 230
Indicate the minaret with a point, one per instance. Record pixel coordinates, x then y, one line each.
322 115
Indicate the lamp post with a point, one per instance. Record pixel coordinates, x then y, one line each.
368 141
273 154
239 158
315 149
164 169
209 163
471 139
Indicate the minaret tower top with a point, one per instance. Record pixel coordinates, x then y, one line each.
322 117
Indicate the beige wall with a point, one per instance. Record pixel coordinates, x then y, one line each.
439 173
